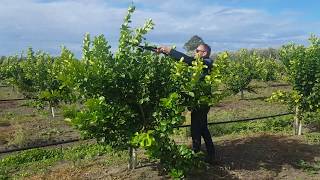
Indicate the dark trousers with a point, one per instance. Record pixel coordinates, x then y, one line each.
199 127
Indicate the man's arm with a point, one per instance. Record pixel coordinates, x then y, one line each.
178 55
175 54
208 62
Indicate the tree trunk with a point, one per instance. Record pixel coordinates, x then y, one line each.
143 116
297 122
242 95
188 121
52 111
132 158
300 128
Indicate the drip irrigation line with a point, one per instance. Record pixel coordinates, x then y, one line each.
183 126
272 85
16 99
39 146
241 120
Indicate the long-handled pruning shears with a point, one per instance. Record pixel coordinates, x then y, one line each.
149 48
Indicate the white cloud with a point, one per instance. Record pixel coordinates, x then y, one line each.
227 27
47 24
31 23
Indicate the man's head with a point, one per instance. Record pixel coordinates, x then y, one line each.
203 50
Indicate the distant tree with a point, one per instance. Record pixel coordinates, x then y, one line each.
193 43
2 59
238 70
267 52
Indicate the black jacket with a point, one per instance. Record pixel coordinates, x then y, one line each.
187 59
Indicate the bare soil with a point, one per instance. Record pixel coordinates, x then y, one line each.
258 156
268 156
24 126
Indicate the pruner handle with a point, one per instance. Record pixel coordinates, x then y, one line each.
150 48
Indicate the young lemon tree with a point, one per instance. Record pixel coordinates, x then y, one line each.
239 72
135 98
269 69
35 76
302 66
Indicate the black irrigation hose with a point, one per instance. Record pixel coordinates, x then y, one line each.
183 126
242 120
17 99
272 85
38 146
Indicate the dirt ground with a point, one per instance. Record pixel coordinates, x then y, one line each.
23 126
259 156
267 156
255 156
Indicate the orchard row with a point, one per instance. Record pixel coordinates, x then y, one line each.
134 97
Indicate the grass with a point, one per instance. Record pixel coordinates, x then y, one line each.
311 168
279 124
38 125
31 125
19 137
313 137
9 93
254 105
40 160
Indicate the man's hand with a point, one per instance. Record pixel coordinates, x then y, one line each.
163 49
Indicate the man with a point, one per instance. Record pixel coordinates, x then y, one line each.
199 121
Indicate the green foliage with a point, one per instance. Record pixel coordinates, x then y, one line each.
312 168
12 163
279 124
313 137
302 65
144 140
122 90
135 97
269 69
30 156
131 98
193 43
108 122
238 73
36 77
86 152
312 120
267 53
270 53
9 69
292 98
70 111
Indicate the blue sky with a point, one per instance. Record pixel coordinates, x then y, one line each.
224 24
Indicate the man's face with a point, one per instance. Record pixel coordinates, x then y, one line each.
201 51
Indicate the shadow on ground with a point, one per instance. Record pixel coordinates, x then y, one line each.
264 157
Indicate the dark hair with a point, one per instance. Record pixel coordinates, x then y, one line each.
207 47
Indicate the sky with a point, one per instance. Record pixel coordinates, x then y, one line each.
223 24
